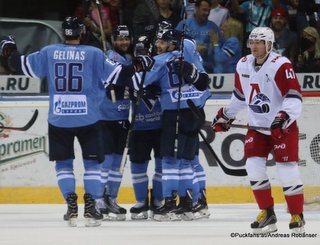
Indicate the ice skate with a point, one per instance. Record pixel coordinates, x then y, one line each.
140 210
297 223
154 204
265 223
184 210
167 212
200 209
72 212
91 213
114 211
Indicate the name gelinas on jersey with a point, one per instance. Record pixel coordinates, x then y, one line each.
66 105
69 55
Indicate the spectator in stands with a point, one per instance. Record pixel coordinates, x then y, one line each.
307 14
115 12
286 41
218 14
255 12
309 57
166 13
145 18
90 15
199 28
228 50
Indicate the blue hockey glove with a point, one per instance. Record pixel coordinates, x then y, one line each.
7 46
185 69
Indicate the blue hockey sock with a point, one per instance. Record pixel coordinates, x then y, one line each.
105 169
65 176
140 180
157 181
186 176
92 178
115 177
199 173
170 175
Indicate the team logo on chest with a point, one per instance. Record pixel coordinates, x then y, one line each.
260 103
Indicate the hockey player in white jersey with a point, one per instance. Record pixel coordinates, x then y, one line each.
266 85
76 76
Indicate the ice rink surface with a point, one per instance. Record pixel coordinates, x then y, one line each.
40 224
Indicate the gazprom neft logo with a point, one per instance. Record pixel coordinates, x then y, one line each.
14 150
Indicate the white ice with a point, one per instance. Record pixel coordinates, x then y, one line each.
38 224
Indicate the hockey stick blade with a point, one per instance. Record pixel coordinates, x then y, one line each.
25 127
226 170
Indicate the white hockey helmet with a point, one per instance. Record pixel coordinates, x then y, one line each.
262 33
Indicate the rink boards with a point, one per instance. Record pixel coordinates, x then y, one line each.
27 175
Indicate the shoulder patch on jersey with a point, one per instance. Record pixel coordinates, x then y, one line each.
244 59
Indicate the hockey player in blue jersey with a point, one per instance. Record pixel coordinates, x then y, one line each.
145 137
115 126
177 171
190 54
76 76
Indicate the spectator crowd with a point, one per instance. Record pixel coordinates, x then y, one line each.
220 27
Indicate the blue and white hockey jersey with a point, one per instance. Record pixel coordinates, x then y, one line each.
119 110
75 74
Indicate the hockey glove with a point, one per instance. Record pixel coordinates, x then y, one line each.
187 70
278 126
143 63
221 123
7 46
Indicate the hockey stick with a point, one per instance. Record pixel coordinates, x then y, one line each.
176 136
133 119
25 127
104 46
226 170
234 125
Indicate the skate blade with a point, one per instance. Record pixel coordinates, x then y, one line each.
114 217
72 222
140 216
265 230
166 217
298 230
90 222
188 216
202 214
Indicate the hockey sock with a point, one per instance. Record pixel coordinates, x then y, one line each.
295 203
92 178
186 177
105 168
157 180
65 176
140 180
200 177
115 177
170 175
263 198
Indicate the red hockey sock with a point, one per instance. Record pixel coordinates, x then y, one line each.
295 203
263 198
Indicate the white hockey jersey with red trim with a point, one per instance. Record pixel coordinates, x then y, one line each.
265 91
